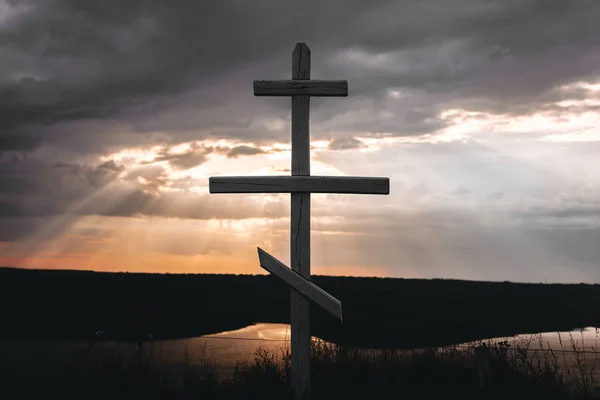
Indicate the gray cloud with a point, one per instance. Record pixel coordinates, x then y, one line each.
461 191
345 143
16 227
186 160
34 188
243 151
31 186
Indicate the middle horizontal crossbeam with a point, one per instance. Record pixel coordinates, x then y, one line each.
289 184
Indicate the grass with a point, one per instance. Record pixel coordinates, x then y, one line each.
528 370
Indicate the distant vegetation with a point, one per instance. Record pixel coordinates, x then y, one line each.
377 312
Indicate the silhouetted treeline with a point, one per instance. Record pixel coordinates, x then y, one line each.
378 312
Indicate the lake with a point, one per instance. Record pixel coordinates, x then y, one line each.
227 348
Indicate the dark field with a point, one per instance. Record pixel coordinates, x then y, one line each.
378 312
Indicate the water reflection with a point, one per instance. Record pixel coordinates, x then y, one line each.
227 348
580 339
575 350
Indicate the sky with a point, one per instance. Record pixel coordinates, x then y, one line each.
485 116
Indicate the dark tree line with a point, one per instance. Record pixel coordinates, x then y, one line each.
378 312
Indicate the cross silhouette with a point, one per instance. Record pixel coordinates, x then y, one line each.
301 184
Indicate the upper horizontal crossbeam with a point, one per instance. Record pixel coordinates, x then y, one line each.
299 87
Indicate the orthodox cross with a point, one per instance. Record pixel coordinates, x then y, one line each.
301 184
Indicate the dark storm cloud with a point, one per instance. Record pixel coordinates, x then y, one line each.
19 140
71 60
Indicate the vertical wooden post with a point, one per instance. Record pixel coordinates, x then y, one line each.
300 185
300 228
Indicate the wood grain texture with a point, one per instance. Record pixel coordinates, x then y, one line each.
301 62
300 229
299 183
300 135
302 285
321 88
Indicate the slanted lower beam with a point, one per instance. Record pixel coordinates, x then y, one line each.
298 87
289 184
300 284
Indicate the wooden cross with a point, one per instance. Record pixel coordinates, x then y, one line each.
300 185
